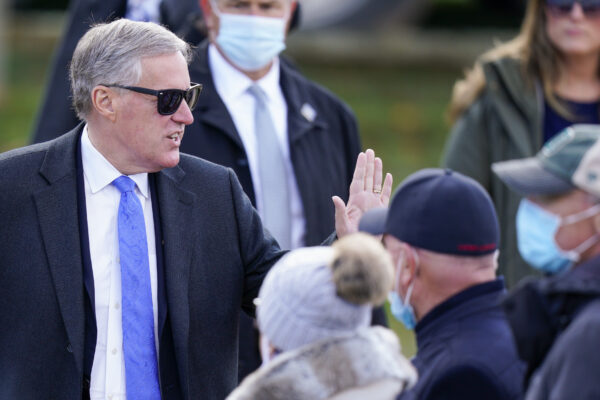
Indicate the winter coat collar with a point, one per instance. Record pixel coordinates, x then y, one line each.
477 297
321 370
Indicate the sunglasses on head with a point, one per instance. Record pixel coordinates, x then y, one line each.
563 7
169 99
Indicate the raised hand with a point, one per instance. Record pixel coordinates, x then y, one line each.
366 192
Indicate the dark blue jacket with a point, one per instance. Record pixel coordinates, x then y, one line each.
465 349
556 325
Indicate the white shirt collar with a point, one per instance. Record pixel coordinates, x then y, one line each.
99 172
232 83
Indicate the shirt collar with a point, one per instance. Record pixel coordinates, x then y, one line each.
99 172
232 83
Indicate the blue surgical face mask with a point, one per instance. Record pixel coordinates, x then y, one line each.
402 310
536 231
250 42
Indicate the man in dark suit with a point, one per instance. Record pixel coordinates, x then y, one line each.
86 307
56 114
316 134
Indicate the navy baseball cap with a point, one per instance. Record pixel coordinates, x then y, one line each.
441 211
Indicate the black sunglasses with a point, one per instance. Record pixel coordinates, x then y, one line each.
591 8
169 99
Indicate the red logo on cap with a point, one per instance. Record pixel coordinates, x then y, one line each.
477 247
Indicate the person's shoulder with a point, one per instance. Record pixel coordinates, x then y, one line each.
202 178
586 325
47 161
505 63
21 154
573 345
507 75
571 366
592 311
198 166
27 156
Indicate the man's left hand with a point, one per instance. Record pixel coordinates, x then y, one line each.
366 192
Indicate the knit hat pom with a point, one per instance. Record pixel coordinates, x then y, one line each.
363 272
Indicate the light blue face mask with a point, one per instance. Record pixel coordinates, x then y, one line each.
536 230
402 310
250 42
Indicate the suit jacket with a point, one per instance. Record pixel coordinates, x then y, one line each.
323 149
56 114
215 257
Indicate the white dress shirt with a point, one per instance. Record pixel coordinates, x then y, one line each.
102 204
232 86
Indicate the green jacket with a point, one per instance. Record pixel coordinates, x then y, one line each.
505 122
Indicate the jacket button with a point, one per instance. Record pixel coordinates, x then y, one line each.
69 348
242 162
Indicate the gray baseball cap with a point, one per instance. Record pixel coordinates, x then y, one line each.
570 160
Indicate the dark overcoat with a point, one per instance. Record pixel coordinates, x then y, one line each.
215 256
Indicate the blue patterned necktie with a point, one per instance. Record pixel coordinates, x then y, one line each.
276 214
139 349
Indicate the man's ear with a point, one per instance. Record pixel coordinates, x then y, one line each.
206 7
210 19
293 6
103 101
408 273
596 222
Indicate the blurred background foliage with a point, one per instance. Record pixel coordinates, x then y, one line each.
397 80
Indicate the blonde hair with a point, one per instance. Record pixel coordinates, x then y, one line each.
537 55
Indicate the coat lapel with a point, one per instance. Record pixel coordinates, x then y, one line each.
175 206
57 211
302 116
504 80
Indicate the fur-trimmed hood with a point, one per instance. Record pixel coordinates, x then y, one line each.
368 362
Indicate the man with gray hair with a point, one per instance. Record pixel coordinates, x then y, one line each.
55 114
124 263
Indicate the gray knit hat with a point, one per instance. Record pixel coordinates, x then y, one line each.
318 292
